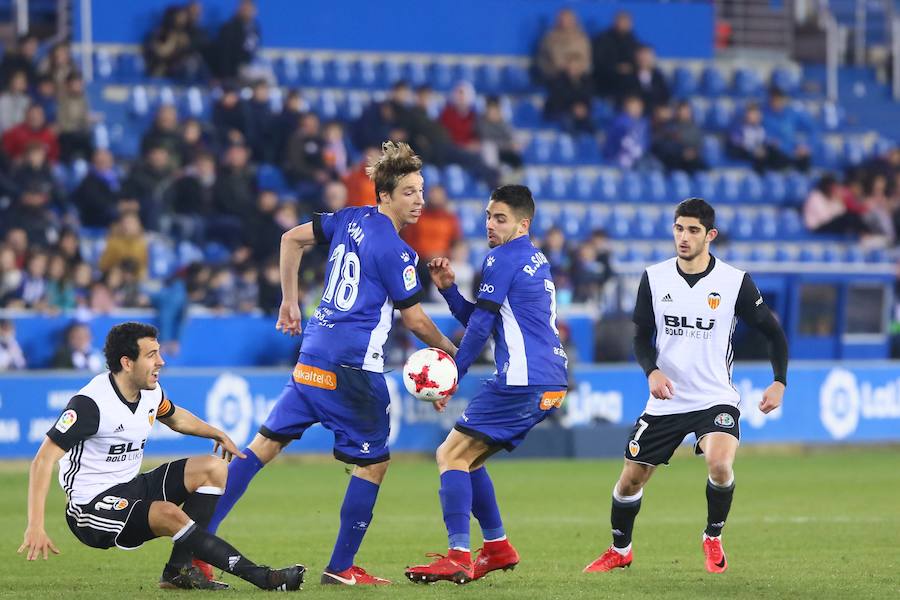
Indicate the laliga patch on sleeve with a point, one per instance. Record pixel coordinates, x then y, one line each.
409 277
66 420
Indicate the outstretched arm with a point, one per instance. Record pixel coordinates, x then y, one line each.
415 319
36 541
444 279
184 421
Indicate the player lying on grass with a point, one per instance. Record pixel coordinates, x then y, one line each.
99 440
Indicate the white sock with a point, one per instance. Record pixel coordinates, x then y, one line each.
499 539
623 551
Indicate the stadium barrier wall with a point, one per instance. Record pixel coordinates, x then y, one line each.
834 403
493 27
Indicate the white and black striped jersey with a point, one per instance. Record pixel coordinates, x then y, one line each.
694 316
104 436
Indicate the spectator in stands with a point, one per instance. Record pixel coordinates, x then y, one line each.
126 242
262 231
20 58
588 274
16 239
385 120
459 117
436 231
460 258
11 275
335 151
566 42
261 123
32 213
878 216
77 350
361 189
69 248
34 172
286 122
334 196
559 255
678 143
73 120
628 139
221 295
14 101
11 356
58 64
192 198
165 133
32 292
169 50
613 52
60 292
194 141
747 140
148 183
235 195
200 44
569 97
788 133
498 141
646 81
102 296
45 93
270 288
96 197
230 118
237 43
82 279
129 292
247 289
34 129
825 210
304 158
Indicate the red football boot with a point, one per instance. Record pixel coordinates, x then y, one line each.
456 567
495 556
608 561
352 576
204 567
715 555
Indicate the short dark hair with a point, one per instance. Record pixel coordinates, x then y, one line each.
122 340
698 208
518 197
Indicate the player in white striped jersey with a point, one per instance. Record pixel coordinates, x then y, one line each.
99 442
691 303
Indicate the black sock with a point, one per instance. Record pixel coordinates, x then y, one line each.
222 555
622 519
718 503
200 507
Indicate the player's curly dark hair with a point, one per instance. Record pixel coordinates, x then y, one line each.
122 340
397 160
518 198
699 209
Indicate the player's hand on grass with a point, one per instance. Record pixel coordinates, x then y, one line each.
771 398
227 447
37 542
288 319
660 386
441 273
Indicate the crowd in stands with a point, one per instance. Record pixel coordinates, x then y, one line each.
197 183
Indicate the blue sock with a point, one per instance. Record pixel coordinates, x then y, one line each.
456 502
240 472
484 505
356 515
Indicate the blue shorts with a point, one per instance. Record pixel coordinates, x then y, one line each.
351 403
503 416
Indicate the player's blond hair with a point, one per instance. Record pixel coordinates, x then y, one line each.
397 160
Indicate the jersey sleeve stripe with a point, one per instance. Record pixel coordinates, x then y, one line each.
411 301
488 306
317 229
165 409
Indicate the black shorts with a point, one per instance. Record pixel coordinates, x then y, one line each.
655 437
119 516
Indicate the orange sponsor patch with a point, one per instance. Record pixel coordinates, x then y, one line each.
552 399
315 377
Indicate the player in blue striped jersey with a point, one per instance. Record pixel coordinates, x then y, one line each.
516 308
338 380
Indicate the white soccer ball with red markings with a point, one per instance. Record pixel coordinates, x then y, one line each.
430 374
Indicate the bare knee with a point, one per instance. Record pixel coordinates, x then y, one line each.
633 478
167 518
218 472
720 471
374 473
265 448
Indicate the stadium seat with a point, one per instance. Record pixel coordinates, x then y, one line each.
415 72
728 188
767 224
712 150
340 72
366 73
684 83
549 216
785 80
774 187
161 259
631 188
288 70
269 177
557 186
646 221
791 226
535 182
583 186
654 187
526 114
720 115
195 103
587 151
763 253
619 226
455 181
216 253
516 78
704 186
574 221
440 75
855 254
811 253
565 152
736 254
489 78
129 67
679 185
539 150
746 82
712 82
312 72
139 101
834 253
389 71
598 217
431 174
751 188
606 188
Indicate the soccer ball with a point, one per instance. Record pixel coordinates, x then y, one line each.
430 374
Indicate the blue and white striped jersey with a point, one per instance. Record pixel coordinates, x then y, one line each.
371 271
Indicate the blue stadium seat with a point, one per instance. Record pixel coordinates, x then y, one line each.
389 72
728 188
631 188
557 186
587 151
187 253
679 185
539 150
684 83
440 76
431 174
366 75
620 226
786 80
704 186
565 152
574 221
415 72
775 187
654 187
747 82
549 216
855 254
129 67
834 253
313 72
712 150
195 103
455 181
606 188
526 114
724 220
464 71
811 253
736 254
139 101
516 78
288 70
661 252
712 82
583 187
791 226
762 253
340 72
216 253
598 217
601 112
535 182
721 115
854 152
161 260
269 177
635 253
767 223
489 78
877 255
751 188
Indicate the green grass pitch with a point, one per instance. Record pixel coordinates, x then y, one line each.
818 524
